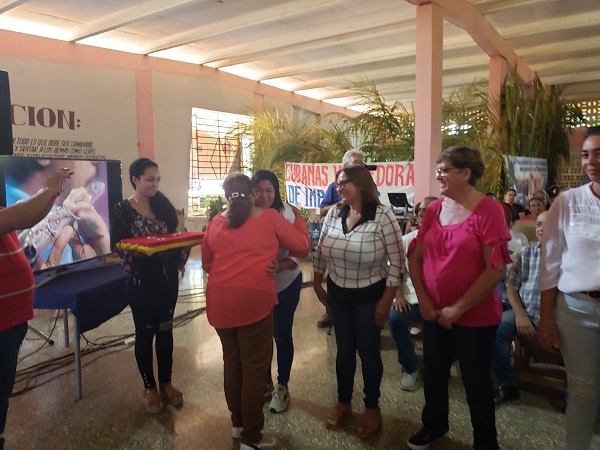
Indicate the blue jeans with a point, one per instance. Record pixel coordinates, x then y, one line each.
501 353
399 323
578 318
10 342
283 315
473 347
356 330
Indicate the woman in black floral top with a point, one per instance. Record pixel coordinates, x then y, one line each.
152 281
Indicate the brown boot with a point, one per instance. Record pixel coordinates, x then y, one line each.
369 424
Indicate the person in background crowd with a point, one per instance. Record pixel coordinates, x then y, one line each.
285 269
490 194
360 244
405 311
460 256
517 209
554 191
544 197
536 206
152 284
332 199
17 284
238 251
523 295
419 214
570 292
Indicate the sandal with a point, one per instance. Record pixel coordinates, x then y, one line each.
152 401
369 424
338 415
170 395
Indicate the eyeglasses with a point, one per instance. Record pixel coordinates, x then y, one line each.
444 172
342 184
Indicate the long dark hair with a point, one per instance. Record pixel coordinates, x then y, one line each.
267 175
162 208
239 193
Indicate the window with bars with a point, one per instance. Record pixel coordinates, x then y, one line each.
215 152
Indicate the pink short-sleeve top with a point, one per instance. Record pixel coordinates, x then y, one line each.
453 257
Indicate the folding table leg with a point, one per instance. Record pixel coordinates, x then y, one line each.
76 343
66 326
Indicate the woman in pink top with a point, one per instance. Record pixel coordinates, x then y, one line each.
460 256
238 249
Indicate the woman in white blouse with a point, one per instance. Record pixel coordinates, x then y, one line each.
361 245
570 293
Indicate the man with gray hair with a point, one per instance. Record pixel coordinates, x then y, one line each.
351 158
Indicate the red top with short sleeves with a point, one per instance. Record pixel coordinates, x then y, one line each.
453 258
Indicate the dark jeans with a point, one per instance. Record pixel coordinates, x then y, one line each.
283 315
10 342
356 330
399 323
152 298
473 347
501 361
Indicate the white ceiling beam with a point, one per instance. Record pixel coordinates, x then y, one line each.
402 71
591 62
575 77
389 54
124 17
489 7
584 20
373 56
464 15
7 5
536 51
258 17
364 27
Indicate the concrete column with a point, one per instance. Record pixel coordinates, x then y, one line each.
498 68
145 113
428 105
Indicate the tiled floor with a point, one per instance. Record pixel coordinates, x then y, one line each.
111 414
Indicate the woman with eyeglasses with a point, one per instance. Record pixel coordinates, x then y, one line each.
285 270
570 293
361 245
238 251
459 258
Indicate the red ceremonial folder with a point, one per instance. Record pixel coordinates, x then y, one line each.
160 242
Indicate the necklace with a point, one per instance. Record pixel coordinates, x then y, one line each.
141 207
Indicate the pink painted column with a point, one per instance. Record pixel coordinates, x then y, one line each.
498 68
428 105
259 103
145 113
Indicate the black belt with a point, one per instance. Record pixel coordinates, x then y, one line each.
593 294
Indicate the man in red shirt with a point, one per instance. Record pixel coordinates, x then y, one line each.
17 282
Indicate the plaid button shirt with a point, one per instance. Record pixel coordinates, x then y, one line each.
523 277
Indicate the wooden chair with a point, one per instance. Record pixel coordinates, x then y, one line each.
537 367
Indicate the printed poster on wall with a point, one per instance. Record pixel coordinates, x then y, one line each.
71 111
526 175
306 183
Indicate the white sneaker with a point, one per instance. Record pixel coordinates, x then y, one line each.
236 432
408 382
280 399
265 442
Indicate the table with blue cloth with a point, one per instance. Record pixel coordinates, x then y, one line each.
94 292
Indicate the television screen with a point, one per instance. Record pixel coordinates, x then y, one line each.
78 226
